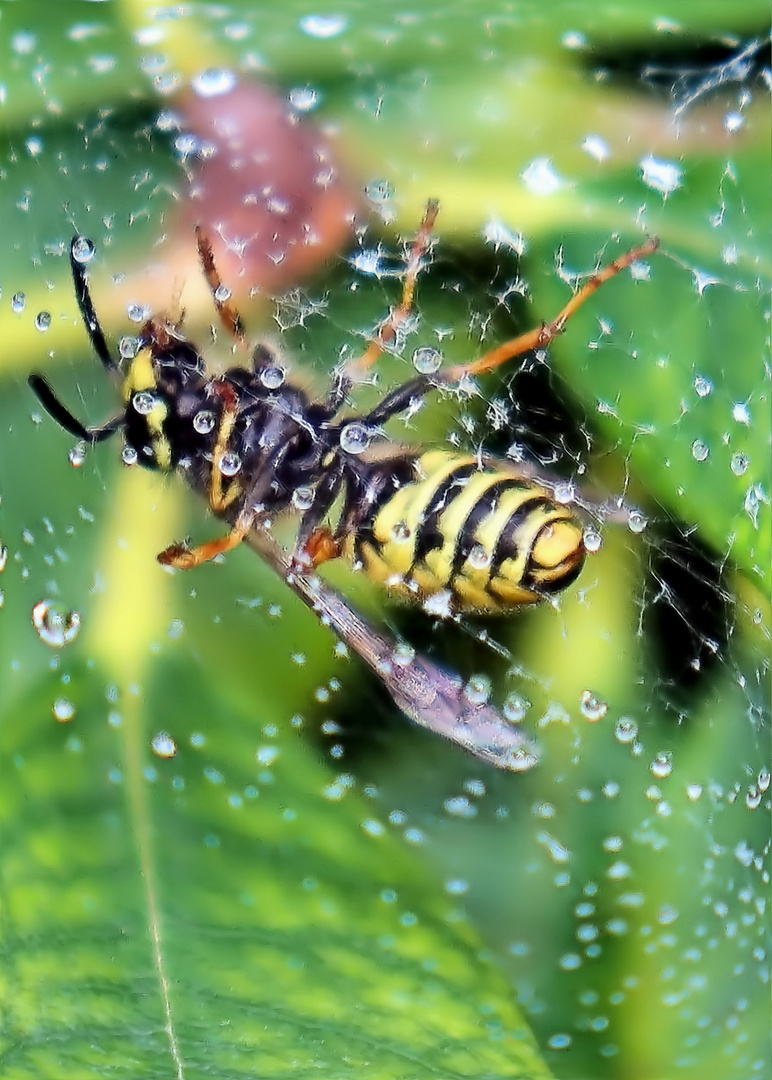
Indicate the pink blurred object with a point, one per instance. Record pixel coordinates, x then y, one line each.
267 189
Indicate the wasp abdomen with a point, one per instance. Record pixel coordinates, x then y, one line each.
490 538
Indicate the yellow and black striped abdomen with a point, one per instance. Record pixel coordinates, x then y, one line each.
491 539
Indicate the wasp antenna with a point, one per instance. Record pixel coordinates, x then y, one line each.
65 419
78 246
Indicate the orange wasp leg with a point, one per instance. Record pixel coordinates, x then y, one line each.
386 334
542 335
185 558
229 316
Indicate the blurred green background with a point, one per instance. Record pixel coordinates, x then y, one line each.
231 857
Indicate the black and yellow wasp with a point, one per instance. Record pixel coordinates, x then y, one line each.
454 531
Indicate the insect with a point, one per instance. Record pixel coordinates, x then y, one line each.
438 527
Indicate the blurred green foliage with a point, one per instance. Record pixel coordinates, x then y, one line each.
254 905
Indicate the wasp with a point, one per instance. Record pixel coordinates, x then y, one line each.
455 532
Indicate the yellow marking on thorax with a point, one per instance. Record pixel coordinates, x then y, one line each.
141 376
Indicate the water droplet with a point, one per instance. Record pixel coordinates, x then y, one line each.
129 455
593 541
401 532
63 710
636 522
541 177
54 625
82 250
43 320
304 98
479 558
272 377
230 463
460 806
700 450
323 26
660 175
754 497
427 360
662 765
596 147
128 347
515 707
379 191
137 312
573 39
18 300
739 463
213 82
23 42
752 797
702 386
143 402
77 455
564 492
626 730
478 690
403 654
354 438
592 707
204 422
303 498
558 852
439 604
163 745
186 144
733 121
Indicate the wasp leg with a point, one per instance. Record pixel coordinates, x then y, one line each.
186 558
64 418
315 545
218 499
86 305
229 316
386 334
542 335
401 398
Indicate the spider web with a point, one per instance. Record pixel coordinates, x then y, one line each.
622 884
